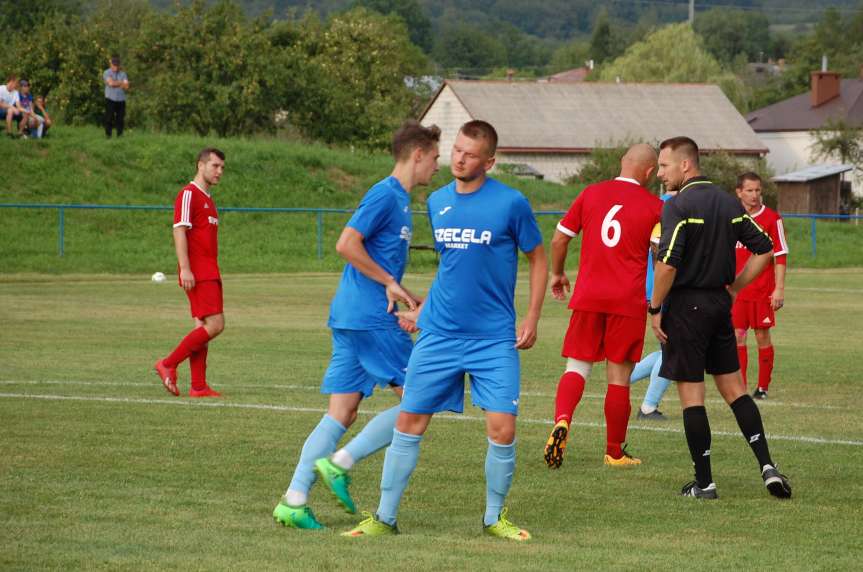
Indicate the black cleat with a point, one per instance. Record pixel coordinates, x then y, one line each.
776 482
692 489
759 394
655 415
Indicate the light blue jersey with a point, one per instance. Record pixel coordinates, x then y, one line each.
478 236
649 284
384 219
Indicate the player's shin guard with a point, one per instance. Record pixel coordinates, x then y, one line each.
617 410
697 429
749 421
193 342
569 391
321 442
198 367
499 468
765 366
743 358
377 434
399 463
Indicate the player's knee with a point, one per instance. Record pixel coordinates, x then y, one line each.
762 337
215 326
502 435
741 337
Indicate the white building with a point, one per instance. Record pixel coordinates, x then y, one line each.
787 128
553 126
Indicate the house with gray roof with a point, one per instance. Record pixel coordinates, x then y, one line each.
553 126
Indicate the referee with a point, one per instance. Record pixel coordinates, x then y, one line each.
690 309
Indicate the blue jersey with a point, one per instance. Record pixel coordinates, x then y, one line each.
384 219
649 288
478 236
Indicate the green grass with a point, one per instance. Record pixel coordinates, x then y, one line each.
79 166
101 469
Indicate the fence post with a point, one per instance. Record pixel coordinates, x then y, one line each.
61 224
320 226
812 236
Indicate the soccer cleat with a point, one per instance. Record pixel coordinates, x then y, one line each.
168 377
556 444
692 489
625 460
337 480
206 392
371 526
655 415
505 529
759 393
776 482
296 516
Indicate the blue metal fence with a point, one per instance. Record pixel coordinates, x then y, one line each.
319 217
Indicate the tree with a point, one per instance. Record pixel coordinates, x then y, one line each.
411 12
568 56
601 40
728 32
464 47
838 140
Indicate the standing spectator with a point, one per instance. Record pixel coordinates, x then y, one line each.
616 219
693 287
757 303
41 109
116 85
31 122
10 105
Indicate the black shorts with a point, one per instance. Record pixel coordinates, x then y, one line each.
700 335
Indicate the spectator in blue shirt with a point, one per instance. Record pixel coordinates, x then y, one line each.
116 85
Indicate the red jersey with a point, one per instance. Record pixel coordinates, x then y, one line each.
617 218
194 208
762 287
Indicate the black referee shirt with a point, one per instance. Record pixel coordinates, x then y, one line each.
700 228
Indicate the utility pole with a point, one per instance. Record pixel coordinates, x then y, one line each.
691 12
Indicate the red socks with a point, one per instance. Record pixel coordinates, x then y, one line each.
765 366
743 358
569 391
198 366
617 410
193 342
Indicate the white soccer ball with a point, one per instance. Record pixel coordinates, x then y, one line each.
158 277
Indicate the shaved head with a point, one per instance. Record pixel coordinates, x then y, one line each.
639 163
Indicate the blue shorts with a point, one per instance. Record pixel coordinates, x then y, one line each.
438 364
363 359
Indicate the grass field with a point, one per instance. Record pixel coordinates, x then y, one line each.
102 469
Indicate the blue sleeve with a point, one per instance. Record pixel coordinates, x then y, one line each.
373 212
524 226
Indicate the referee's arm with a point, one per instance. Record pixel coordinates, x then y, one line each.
754 238
671 247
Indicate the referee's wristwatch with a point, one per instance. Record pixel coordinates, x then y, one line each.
653 311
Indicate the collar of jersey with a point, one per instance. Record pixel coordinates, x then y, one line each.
761 210
200 189
695 181
627 180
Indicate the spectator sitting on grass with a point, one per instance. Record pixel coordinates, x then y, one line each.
42 111
32 123
10 105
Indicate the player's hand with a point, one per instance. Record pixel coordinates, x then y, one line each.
408 320
656 325
526 334
408 326
187 279
559 286
731 292
777 299
395 293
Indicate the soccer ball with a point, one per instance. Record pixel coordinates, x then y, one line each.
158 277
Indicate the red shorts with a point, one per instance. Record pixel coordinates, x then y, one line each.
594 337
747 314
206 298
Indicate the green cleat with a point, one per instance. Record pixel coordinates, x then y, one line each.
371 526
296 517
505 529
337 480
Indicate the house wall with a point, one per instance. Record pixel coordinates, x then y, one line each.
792 151
556 167
449 114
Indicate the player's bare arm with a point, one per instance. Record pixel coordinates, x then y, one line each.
350 247
663 278
777 299
559 282
527 332
181 246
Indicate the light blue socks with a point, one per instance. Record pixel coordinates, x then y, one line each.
321 442
377 434
399 463
657 386
499 468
